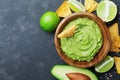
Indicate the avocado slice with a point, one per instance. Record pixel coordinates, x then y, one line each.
59 71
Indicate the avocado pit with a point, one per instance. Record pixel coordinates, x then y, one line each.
77 76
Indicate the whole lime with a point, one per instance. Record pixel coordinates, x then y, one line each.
49 21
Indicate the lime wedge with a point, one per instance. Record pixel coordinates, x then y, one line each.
105 65
76 6
107 10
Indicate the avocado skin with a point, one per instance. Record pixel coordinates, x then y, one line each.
59 71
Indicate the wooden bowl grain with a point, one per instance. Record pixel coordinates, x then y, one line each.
102 52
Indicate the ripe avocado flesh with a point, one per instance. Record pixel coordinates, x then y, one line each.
59 71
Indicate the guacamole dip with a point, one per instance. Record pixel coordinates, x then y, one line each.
86 41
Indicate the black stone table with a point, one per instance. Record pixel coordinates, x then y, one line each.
27 52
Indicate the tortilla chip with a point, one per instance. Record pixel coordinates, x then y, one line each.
90 5
114 30
64 10
68 32
115 45
117 41
117 64
114 48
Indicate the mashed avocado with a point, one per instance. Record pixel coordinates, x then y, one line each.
86 41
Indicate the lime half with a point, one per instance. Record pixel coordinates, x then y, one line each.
107 10
105 65
76 6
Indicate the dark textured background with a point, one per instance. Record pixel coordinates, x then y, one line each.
27 52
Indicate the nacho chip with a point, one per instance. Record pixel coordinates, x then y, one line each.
117 64
117 41
93 7
114 30
114 48
64 10
90 5
115 45
68 32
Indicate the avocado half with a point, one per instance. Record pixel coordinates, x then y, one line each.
59 71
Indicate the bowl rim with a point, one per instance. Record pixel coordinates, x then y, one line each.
102 52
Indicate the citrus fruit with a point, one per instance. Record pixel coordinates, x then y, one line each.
105 65
107 10
49 21
76 6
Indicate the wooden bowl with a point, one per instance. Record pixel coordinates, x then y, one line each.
102 52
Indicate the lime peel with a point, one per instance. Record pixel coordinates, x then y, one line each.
49 21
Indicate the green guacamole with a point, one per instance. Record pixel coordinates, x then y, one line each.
85 43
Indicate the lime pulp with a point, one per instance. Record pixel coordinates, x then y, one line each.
107 10
76 6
